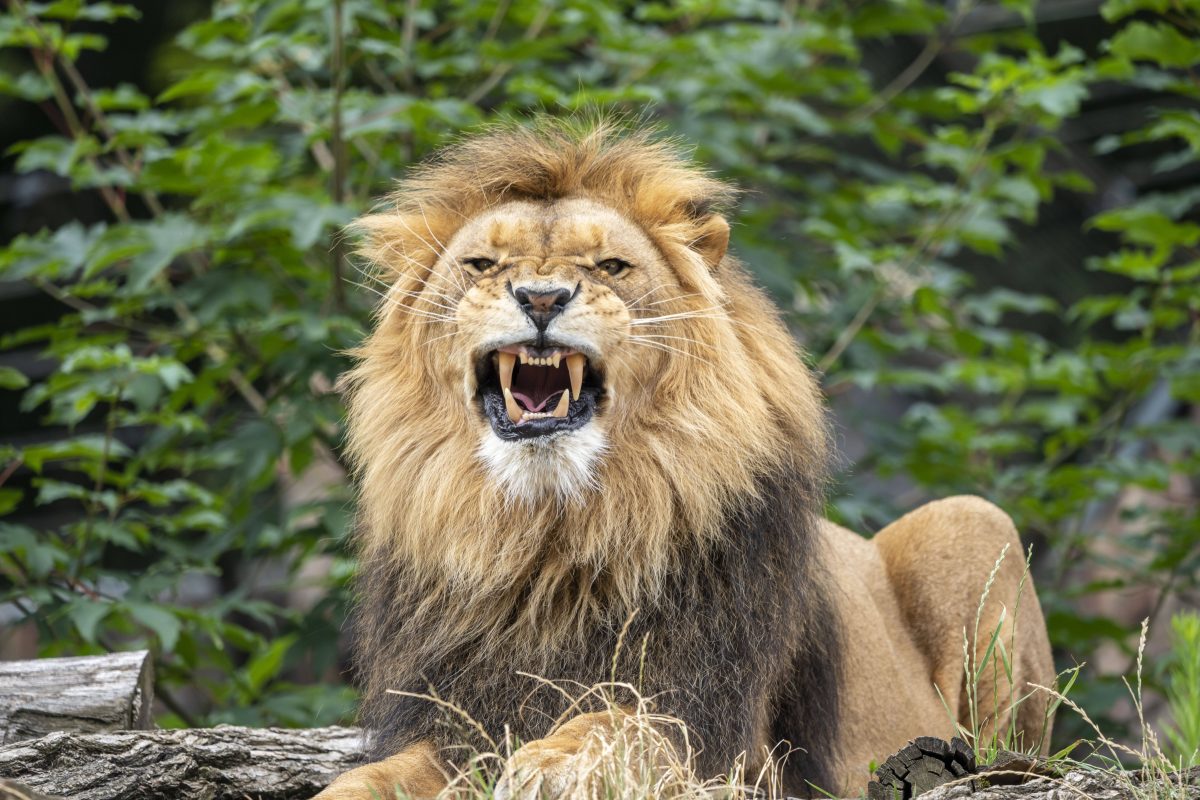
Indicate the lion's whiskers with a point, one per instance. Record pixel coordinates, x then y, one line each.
633 305
427 298
667 300
642 321
442 336
442 249
407 309
705 345
662 346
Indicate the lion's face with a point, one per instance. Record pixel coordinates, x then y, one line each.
546 300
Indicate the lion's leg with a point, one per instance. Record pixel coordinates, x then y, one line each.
938 559
415 771
550 767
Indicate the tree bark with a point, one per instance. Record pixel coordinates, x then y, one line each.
91 694
222 763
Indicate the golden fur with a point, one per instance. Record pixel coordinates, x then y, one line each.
709 421
723 400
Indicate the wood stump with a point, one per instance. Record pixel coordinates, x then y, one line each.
923 764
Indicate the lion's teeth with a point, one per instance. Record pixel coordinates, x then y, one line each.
560 410
556 358
514 410
506 362
575 363
524 358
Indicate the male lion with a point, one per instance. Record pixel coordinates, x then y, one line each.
579 425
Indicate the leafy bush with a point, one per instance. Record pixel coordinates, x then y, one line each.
192 401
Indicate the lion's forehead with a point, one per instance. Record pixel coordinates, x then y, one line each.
575 227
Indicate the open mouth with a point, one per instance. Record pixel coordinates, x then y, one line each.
536 391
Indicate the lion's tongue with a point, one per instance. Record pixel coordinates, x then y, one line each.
534 386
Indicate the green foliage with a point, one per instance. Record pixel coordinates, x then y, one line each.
1183 690
207 312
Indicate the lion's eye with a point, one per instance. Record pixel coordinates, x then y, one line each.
478 265
614 266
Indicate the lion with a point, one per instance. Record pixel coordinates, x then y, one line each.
578 424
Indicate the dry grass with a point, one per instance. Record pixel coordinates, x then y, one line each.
643 754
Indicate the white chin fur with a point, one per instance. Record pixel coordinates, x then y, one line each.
560 466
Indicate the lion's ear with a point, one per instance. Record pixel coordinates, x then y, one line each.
712 239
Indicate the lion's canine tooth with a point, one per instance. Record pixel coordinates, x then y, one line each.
507 360
514 410
560 410
575 363
556 358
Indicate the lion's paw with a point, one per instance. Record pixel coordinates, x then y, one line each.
538 771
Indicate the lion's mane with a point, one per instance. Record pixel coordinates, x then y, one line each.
717 444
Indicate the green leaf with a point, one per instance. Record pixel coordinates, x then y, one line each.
166 238
28 86
1141 224
1113 10
266 665
11 378
86 616
164 624
83 9
10 498
40 553
1159 42
92 447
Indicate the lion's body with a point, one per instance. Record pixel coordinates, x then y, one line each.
674 502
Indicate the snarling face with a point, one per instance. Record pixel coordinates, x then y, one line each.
557 309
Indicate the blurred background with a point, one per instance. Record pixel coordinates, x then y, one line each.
979 218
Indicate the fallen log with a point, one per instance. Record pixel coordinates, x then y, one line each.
222 763
90 694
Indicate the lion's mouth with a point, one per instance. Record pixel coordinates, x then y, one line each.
536 391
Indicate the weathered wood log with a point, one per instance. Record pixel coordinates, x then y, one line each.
91 694
222 763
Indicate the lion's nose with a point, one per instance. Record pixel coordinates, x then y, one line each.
541 307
